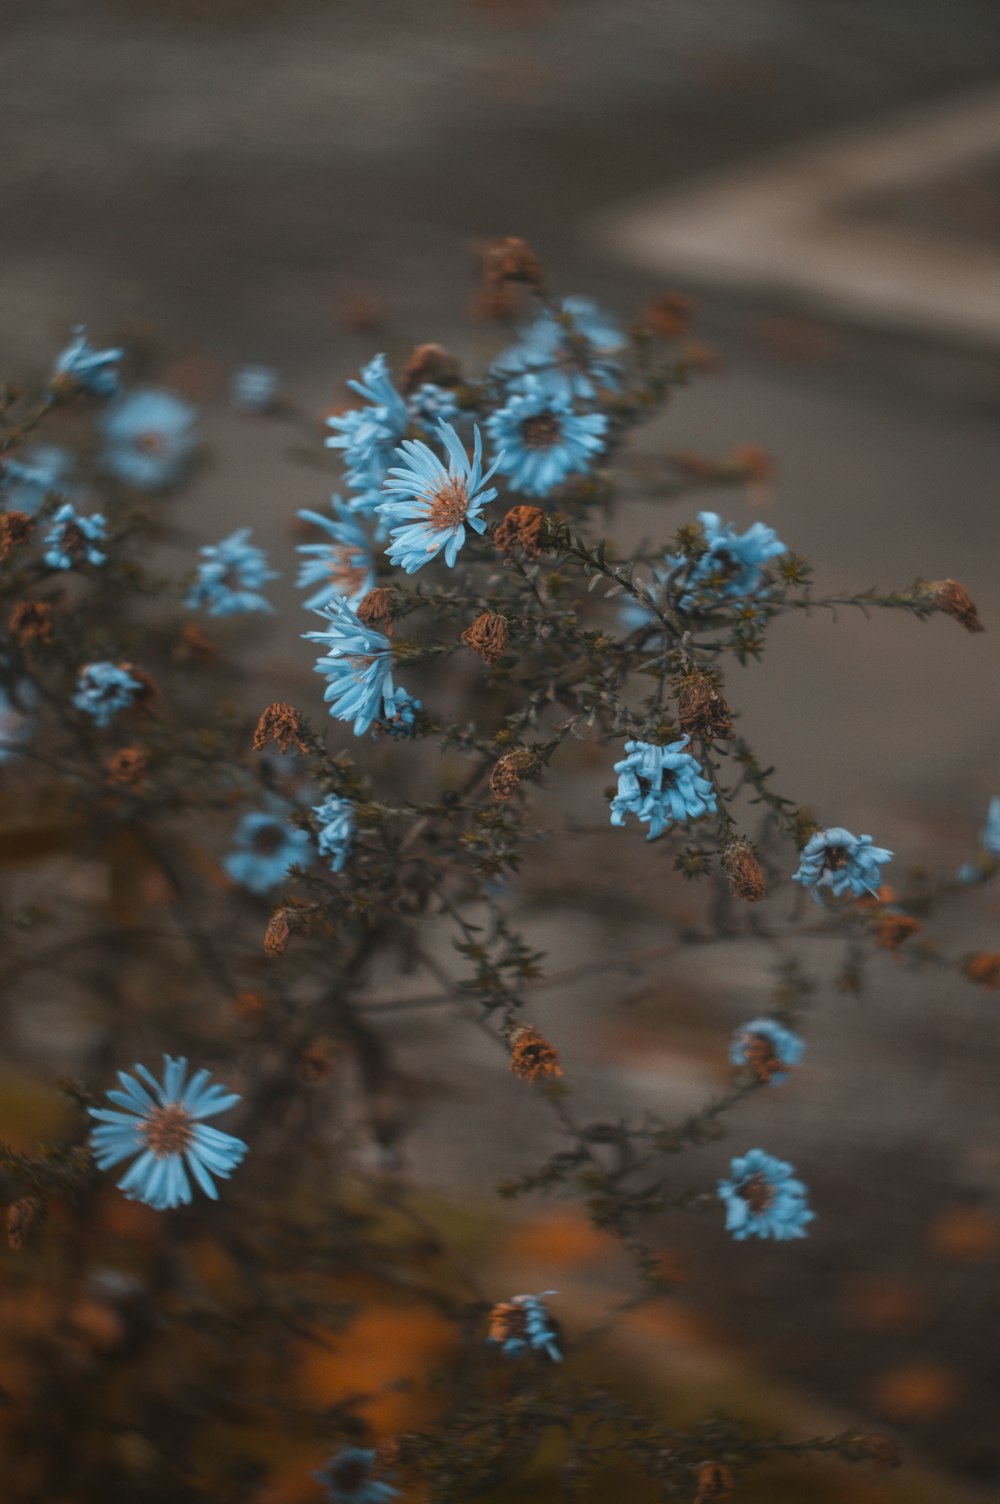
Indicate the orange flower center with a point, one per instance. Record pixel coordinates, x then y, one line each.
168 1130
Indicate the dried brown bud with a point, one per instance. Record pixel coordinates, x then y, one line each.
508 772
23 1217
521 526
127 766
893 929
193 646
715 1481
984 969
375 610
278 932
745 874
668 315
497 305
511 260
487 636
429 363
954 600
531 1055
701 709
281 724
31 621
15 528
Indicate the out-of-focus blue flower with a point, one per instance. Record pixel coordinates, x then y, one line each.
843 863
17 717
266 847
433 505
79 365
733 562
763 1199
769 1049
571 353
349 1477
71 537
991 830
542 440
341 567
336 820
660 785
430 404
149 436
358 666
229 580
253 388
369 435
40 472
523 1323
103 689
163 1124
403 718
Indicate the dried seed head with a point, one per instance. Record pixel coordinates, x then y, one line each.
759 1054
511 259
893 929
745 874
668 315
127 767
487 636
984 969
281 724
522 527
31 621
954 600
715 1481
701 709
509 770
429 363
375 610
15 528
23 1216
531 1055
359 314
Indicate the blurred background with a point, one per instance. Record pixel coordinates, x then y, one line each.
303 182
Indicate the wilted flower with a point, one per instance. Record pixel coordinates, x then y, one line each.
267 847
763 1199
522 527
87 369
15 530
769 1049
701 708
743 870
343 566
487 636
523 1323
127 767
531 1056
369 435
429 365
843 863
432 504
350 1478
542 440
71 538
163 1124
281 724
358 666
660 785
335 817
403 719
229 580
149 436
42 471
732 564
103 689
955 601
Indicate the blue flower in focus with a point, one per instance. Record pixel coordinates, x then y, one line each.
253 388
769 1049
369 435
229 580
163 1124
358 666
430 404
336 820
343 566
103 689
763 1199
71 537
79 365
843 863
43 470
542 440
17 717
660 785
570 353
433 505
522 1324
403 718
732 563
349 1477
149 436
266 848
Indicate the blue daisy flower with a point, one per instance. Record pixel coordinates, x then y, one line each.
732 564
336 820
79 365
71 538
103 689
433 505
769 1049
660 785
763 1199
542 440
349 1478
42 471
843 863
523 1324
229 580
17 717
369 435
149 436
163 1124
358 666
570 352
267 847
341 567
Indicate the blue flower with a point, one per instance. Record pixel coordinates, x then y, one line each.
29 481
763 1199
341 567
660 785
843 863
431 403
433 504
149 437
17 717
767 1048
990 837
732 562
349 1477
163 1123
253 388
369 435
336 819
403 718
522 1324
358 666
266 848
71 537
102 689
229 580
542 439
79 365
569 352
